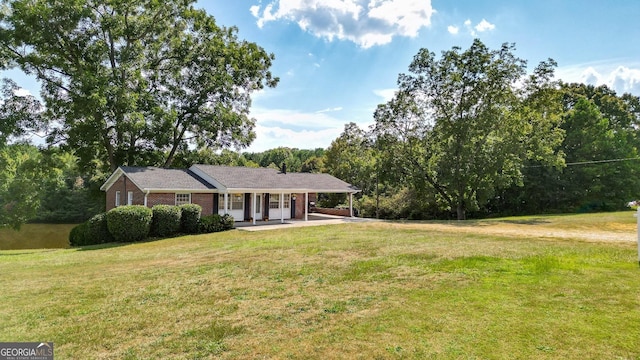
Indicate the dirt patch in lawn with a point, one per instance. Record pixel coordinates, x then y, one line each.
512 229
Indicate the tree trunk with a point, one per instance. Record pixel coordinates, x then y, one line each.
377 197
462 214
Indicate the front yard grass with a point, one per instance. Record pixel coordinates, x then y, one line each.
368 291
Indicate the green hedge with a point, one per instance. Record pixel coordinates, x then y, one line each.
166 220
78 235
214 223
211 223
228 222
97 230
129 223
190 222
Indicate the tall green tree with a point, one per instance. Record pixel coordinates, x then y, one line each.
20 115
135 82
601 131
601 151
351 157
21 176
462 126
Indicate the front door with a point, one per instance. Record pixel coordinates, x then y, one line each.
258 203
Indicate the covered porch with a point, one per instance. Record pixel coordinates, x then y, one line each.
268 205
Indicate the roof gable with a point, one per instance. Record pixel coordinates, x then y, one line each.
245 178
154 179
212 178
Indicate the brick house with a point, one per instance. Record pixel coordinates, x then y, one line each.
248 194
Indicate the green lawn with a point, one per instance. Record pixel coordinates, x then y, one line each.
362 291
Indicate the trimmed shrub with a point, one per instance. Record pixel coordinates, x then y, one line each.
166 220
228 222
190 218
211 223
98 231
78 235
129 223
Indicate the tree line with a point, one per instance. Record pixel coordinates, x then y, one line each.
471 133
148 83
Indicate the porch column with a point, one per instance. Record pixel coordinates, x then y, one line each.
306 206
282 208
351 204
226 203
254 208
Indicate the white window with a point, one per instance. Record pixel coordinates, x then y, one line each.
234 202
287 201
117 198
274 201
130 198
237 201
182 199
221 202
258 204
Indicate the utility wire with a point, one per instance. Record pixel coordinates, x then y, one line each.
589 162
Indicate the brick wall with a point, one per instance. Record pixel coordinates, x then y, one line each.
337 212
124 185
161 199
204 200
300 206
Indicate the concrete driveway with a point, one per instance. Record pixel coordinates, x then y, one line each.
314 220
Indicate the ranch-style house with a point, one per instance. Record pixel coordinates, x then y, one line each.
248 194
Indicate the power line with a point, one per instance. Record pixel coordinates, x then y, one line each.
591 162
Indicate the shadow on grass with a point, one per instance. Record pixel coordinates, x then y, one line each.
536 221
115 244
476 222
13 251
104 246
119 244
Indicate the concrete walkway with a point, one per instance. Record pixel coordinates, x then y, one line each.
314 220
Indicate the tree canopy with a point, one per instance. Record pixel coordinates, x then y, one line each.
135 82
463 125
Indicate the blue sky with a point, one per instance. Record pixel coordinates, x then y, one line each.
338 59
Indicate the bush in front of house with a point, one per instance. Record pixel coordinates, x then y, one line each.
190 221
166 220
97 230
215 223
211 223
228 222
79 235
129 223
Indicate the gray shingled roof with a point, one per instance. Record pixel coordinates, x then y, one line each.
207 177
233 177
165 179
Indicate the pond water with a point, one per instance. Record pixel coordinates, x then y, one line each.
36 236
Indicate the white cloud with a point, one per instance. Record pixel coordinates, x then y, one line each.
255 10
22 92
287 118
623 78
273 137
365 22
386 94
484 25
453 29
329 110
590 76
